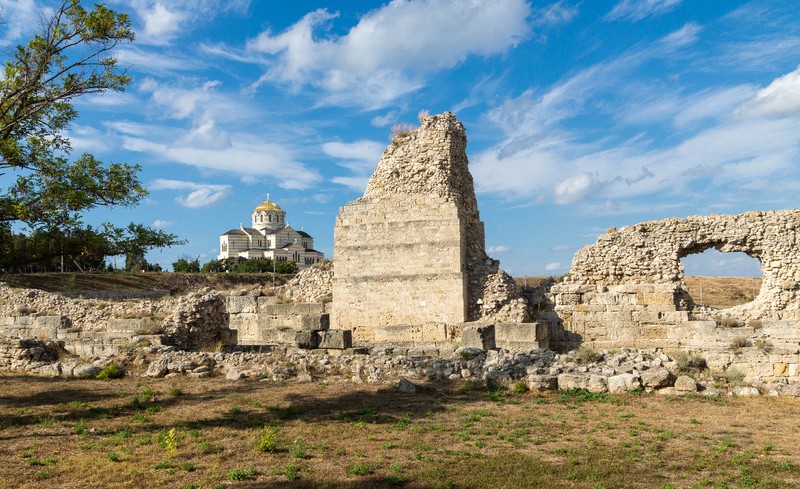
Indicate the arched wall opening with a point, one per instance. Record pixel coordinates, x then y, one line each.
721 280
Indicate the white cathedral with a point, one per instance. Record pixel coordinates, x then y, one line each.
269 237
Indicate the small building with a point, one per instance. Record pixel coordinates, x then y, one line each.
269 237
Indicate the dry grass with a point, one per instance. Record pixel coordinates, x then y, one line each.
84 433
722 292
177 283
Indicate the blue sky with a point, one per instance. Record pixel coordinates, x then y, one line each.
580 115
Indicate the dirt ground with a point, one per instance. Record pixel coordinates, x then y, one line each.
211 433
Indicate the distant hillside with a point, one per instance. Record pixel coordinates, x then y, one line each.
722 292
176 283
719 292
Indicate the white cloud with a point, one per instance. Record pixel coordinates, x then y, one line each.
19 18
552 267
391 49
714 145
161 224
201 194
384 120
359 157
636 10
165 20
780 99
575 189
498 249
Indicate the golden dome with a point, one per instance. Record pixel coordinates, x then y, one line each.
268 206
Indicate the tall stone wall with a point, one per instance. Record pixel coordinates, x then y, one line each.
411 250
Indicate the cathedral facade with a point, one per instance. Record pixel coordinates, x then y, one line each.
269 237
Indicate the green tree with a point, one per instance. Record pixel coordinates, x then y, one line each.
186 265
71 56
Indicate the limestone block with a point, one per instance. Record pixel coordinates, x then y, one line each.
652 331
241 304
780 369
520 336
656 378
482 337
685 384
618 384
307 340
541 383
117 328
275 336
339 339
303 308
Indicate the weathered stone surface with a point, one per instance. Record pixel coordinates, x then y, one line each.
306 339
745 391
541 383
336 339
619 384
656 378
685 384
478 336
411 250
520 336
234 374
405 385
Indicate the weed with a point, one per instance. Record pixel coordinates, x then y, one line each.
242 474
360 469
112 371
582 395
189 466
206 446
80 427
28 453
755 323
175 391
291 471
46 421
166 464
298 449
112 456
169 442
268 441
519 388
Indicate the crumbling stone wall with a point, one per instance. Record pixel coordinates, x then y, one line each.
627 290
411 250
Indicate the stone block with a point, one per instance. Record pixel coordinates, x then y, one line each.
339 339
685 384
520 336
653 332
656 378
303 308
619 384
481 337
241 304
780 369
308 340
541 383
275 336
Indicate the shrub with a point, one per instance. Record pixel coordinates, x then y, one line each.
764 345
586 354
755 323
113 371
268 441
739 342
732 376
730 322
690 363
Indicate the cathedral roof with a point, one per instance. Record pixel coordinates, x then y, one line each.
268 206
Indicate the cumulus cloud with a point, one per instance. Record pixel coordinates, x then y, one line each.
781 98
163 21
201 195
19 18
161 224
636 10
391 49
727 138
359 157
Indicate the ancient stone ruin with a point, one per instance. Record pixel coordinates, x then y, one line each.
410 257
413 293
627 290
